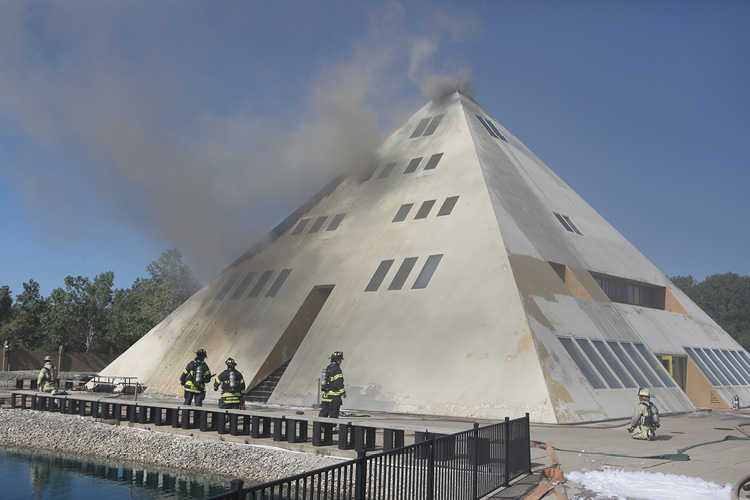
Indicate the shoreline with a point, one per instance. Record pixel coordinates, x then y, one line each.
82 436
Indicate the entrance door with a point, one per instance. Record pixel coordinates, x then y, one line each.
295 332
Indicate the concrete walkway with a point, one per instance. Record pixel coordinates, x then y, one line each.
723 462
586 447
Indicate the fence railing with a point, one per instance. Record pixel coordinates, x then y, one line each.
463 466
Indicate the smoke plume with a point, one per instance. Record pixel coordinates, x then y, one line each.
116 141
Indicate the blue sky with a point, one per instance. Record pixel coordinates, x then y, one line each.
127 128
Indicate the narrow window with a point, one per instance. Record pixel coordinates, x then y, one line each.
336 222
736 371
494 129
598 363
243 285
227 286
573 226
420 128
563 222
629 366
300 227
379 276
425 275
486 127
720 365
448 205
402 273
412 166
433 161
613 363
260 284
403 211
702 366
661 372
283 275
653 380
656 365
433 125
386 171
581 363
740 363
318 224
424 210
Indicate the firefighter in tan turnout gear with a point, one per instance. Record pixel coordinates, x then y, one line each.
332 384
195 377
232 386
645 419
47 381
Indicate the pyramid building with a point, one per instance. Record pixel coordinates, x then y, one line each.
461 277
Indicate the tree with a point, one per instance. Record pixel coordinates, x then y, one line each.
725 298
23 330
6 304
138 309
79 316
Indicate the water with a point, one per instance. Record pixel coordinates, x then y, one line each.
33 475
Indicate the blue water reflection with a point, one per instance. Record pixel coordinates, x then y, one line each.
32 475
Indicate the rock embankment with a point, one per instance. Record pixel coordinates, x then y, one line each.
55 432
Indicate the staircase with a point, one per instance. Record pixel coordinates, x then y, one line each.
263 390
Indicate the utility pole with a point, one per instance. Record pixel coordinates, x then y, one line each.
4 367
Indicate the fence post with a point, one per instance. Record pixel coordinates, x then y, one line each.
361 475
528 440
431 471
237 485
475 469
507 450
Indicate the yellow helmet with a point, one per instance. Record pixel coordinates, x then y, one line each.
644 393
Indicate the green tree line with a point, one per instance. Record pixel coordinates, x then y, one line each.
90 315
724 297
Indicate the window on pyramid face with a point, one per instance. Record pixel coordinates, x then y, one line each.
413 164
386 171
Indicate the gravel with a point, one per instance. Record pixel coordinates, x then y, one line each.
72 434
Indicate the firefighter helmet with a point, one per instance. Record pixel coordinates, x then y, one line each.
337 355
230 362
201 353
644 393
48 358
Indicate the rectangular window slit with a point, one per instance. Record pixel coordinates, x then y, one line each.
260 284
420 128
403 273
227 286
386 171
412 166
424 210
283 275
379 276
243 285
448 205
403 211
433 125
336 222
425 275
300 227
433 161
318 224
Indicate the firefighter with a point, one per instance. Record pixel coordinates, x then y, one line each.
47 381
232 386
645 419
195 377
333 387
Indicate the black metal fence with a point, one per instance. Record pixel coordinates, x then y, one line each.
463 466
